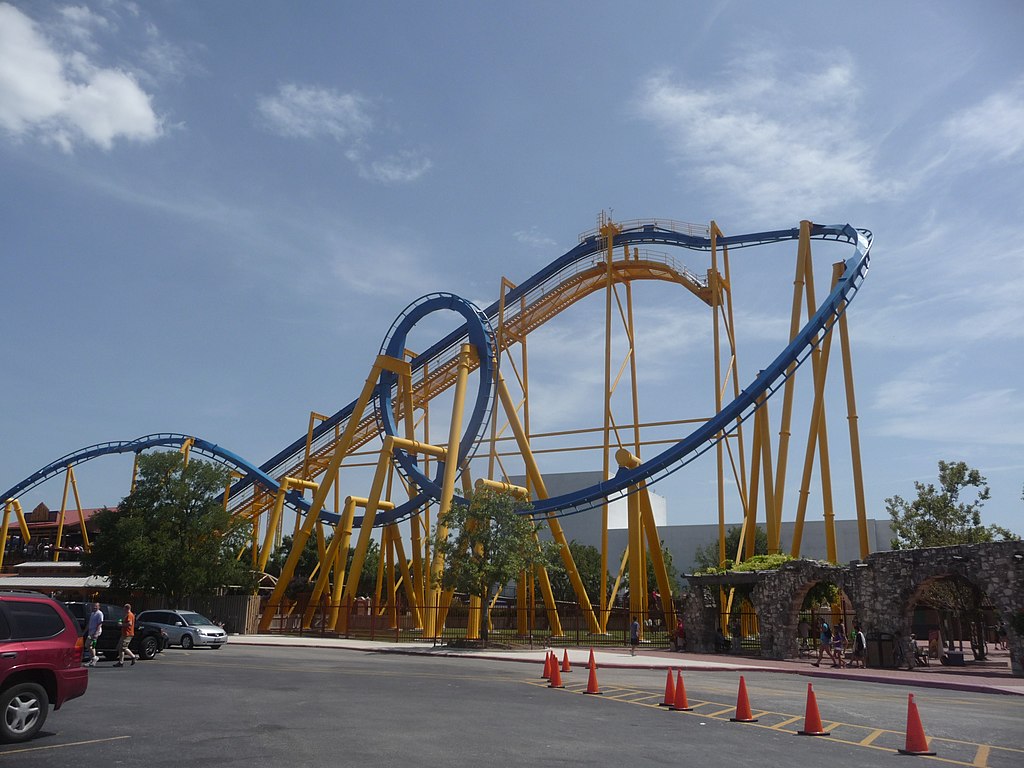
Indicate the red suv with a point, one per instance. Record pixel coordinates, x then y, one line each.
40 662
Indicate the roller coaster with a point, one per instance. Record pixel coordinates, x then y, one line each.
388 426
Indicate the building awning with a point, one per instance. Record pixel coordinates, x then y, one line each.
53 583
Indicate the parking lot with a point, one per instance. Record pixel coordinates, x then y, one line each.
281 706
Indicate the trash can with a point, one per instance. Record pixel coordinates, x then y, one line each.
880 650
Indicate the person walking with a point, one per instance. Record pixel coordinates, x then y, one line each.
93 630
127 635
860 647
634 636
839 645
824 643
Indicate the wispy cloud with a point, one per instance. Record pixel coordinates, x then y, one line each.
784 145
306 112
313 112
61 96
993 129
534 238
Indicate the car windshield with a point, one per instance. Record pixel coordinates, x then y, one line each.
196 620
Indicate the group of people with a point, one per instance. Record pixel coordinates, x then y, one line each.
94 628
832 641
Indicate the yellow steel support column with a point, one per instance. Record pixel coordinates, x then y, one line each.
330 474
135 471
608 231
625 459
341 576
540 487
451 466
774 523
716 302
803 265
817 440
8 506
365 530
69 480
851 416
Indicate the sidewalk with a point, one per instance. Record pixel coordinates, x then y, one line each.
969 678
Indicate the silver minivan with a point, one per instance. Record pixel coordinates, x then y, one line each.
186 628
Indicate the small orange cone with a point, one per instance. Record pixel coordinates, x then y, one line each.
812 720
743 713
592 681
670 692
556 675
681 704
547 666
591 663
566 666
917 742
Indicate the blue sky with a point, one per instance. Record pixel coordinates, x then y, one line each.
212 212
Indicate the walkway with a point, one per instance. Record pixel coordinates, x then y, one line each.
987 679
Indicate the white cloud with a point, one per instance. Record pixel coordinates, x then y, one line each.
305 112
310 112
64 98
534 238
397 169
785 146
993 128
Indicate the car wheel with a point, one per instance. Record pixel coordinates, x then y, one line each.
149 649
187 642
24 707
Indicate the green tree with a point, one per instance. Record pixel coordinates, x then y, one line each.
706 557
171 535
487 545
940 517
588 563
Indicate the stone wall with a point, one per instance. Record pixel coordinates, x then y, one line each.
883 590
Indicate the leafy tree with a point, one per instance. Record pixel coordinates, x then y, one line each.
488 544
307 560
170 535
588 563
939 517
706 557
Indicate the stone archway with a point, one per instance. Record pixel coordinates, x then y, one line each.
881 588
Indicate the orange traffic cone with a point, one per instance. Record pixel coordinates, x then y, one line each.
812 720
743 713
591 663
917 742
547 666
566 666
556 675
681 704
670 692
592 681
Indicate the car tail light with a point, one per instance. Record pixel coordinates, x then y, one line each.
80 644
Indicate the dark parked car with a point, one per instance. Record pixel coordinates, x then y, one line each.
40 662
149 639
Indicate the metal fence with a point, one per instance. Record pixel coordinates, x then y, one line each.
363 618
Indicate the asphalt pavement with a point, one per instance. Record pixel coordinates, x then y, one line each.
990 677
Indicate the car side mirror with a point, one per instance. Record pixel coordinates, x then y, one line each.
179 623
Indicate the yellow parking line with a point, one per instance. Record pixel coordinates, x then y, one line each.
866 741
784 723
981 756
6 752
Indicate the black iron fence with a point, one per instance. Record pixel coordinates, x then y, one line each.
459 623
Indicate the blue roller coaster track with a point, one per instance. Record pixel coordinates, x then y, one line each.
476 331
